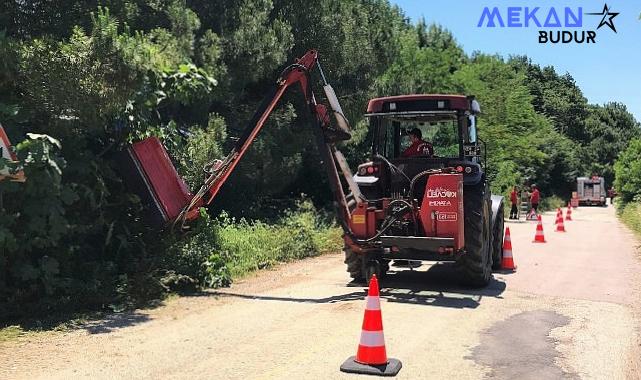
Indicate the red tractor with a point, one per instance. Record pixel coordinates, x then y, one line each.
432 203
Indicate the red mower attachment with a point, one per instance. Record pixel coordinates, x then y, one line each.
151 174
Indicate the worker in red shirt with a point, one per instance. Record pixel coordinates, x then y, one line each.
535 198
514 198
419 147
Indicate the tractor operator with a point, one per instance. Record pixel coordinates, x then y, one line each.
419 146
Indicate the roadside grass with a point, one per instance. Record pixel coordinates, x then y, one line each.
15 332
10 333
630 214
250 246
552 203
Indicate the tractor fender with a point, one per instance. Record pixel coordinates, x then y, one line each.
497 200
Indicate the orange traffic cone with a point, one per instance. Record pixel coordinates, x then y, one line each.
568 214
508 260
559 224
558 213
539 237
371 357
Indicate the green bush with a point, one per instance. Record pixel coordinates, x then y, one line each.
256 245
552 203
630 214
628 172
196 260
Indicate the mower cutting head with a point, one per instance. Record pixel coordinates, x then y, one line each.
149 172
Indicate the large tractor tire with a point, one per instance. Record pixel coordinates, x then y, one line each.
475 266
355 264
497 239
361 267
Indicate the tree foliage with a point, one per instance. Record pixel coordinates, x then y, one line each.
628 172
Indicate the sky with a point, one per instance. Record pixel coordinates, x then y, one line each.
609 70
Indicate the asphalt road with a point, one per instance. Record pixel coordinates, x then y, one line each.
570 311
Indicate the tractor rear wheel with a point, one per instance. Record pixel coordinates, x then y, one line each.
355 264
361 267
475 266
497 239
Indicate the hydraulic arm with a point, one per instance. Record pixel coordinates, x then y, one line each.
326 136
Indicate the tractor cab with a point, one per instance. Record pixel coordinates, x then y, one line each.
446 128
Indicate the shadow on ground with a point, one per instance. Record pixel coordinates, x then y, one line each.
92 323
435 286
113 322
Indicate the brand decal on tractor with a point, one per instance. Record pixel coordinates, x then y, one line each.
440 192
447 216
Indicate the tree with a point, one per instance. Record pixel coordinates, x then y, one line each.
428 57
610 128
628 172
522 144
556 96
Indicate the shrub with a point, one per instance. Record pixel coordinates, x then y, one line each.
630 214
628 172
552 203
196 260
256 245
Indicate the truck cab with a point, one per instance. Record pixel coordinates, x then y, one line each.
591 191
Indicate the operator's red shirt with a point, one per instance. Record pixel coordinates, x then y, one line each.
534 198
419 148
514 197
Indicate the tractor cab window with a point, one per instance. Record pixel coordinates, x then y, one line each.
438 130
471 129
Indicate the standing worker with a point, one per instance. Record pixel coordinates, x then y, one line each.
535 198
514 198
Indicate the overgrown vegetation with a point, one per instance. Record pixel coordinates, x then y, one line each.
78 82
628 185
256 245
630 214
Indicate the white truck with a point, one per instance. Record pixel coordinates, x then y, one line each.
591 191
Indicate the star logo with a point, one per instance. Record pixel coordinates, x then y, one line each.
607 18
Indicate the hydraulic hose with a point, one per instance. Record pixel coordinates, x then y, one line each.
421 175
388 222
392 166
